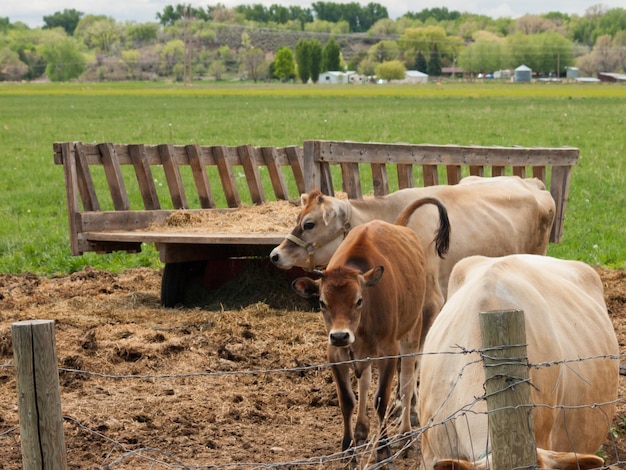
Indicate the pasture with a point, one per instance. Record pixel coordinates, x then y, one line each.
34 234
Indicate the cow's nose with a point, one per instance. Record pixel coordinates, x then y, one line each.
274 257
339 338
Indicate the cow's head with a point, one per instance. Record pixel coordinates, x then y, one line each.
320 228
341 299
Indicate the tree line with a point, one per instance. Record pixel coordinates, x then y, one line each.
294 43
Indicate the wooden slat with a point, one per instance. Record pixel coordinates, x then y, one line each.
351 182
172 175
431 175
405 176
128 236
380 181
275 172
84 181
559 188
453 173
71 194
497 171
294 155
540 173
326 179
253 176
477 170
311 166
371 152
519 171
227 177
114 177
200 177
144 177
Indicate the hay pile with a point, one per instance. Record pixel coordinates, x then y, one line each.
271 217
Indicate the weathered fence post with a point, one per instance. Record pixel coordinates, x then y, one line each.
38 395
508 390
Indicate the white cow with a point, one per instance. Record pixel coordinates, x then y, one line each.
566 319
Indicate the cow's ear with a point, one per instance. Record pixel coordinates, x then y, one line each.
568 460
373 275
304 199
306 287
449 464
328 213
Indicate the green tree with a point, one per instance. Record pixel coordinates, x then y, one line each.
391 70
331 55
172 54
67 19
423 39
171 14
420 62
27 44
254 63
384 51
541 52
64 60
143 33
284 66
316 59
486 54
11 67
434 63
131 59
303 59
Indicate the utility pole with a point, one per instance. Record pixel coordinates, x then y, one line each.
187 36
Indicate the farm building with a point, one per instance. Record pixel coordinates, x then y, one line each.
611 77
502 74
337 77
452 72
571 72
413 76
522 74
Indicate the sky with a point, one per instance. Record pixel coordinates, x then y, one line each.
32 12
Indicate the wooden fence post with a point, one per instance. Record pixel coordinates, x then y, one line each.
508 390
38 395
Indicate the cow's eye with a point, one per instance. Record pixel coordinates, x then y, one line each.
322 304
308 225
359 302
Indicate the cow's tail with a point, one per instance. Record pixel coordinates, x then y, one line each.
442 237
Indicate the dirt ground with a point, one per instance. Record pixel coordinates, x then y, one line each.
228 387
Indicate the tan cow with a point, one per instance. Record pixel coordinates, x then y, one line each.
566 320
489 216
371 297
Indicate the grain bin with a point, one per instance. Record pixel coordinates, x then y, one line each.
523 74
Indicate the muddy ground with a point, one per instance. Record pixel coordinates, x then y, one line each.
143 387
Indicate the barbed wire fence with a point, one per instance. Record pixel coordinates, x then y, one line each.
120 453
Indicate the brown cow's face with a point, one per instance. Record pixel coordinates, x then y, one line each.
320 230
341 300
341 303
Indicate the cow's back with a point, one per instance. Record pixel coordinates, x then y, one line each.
566 318
488 216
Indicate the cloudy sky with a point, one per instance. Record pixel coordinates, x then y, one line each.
32 12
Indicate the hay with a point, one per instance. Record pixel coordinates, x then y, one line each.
271 217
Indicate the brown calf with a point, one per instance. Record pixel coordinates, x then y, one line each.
371 296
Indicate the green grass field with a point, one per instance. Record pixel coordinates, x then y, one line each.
33 216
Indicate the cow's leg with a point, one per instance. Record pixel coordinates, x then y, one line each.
341 374
362 427
386 371
408 381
